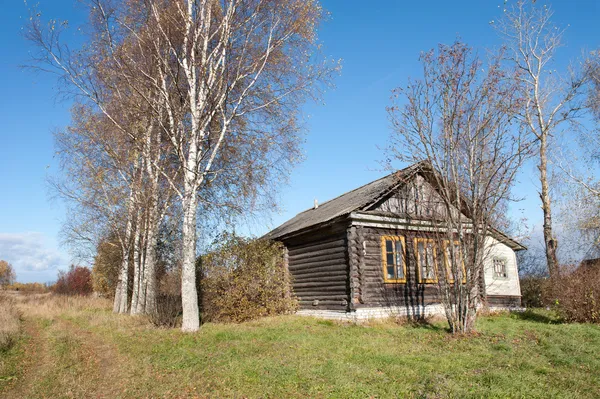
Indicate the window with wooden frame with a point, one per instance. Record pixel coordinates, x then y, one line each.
500 268
453 252
393 258
427 262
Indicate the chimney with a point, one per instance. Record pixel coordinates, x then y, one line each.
316 204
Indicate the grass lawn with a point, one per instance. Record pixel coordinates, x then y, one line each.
83 350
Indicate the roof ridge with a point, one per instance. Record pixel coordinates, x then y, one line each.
414 166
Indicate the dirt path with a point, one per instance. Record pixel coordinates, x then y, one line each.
32 363
63 360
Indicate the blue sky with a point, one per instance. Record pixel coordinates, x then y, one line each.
379 43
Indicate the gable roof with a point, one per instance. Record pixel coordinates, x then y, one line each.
351 201
361 199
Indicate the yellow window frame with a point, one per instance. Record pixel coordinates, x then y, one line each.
445 244
435 260
384 258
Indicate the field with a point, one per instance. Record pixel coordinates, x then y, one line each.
76 348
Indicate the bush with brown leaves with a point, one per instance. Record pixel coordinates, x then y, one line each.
577 295
244 279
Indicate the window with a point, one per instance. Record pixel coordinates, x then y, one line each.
393 254
426 260
500 268
457 257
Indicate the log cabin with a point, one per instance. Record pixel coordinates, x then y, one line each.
343 254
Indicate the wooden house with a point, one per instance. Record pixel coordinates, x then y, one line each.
339 252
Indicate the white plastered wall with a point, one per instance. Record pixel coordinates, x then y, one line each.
498 285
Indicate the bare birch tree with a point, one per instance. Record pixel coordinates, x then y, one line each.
459 121
553 101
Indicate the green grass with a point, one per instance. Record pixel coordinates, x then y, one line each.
528 355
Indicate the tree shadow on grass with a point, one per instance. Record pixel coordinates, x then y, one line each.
538 316
425 324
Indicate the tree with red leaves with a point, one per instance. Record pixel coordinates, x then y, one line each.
77 281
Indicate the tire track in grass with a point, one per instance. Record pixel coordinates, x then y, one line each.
32 362
63 360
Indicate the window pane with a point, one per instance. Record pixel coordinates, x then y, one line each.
390 259
399 250
429 257
389 246
390 271
500 268
398 258
450 263
400 271
422 258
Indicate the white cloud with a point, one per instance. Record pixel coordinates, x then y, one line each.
28 252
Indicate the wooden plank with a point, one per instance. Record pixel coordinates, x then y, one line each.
323 265
321 276
320 289
324 286
323 305
316 260
317 246
330 297
310 254
330 256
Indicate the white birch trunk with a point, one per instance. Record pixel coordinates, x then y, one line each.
136 266
151 243
141 303
189 293
121 293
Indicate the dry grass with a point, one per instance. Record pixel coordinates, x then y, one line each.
50 306
9 322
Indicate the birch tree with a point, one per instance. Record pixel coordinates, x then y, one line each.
458 121
554 101
242 68
221 78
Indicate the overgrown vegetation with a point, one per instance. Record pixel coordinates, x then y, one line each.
575 297
578 295
9 322
244 279
105 272
168 311
7 274
37 288
76 281
535 292
75 347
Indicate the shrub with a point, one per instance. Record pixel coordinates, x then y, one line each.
168 311
536 292
578 295
105 272
29 288
77 281
243 279
9 322
7 274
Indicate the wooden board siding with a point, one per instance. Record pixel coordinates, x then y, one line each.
418 199
367 279
318 263
507 301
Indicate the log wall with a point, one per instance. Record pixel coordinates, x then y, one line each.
318 263
368 288
367 271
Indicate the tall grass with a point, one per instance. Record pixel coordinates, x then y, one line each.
10 320
50 306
